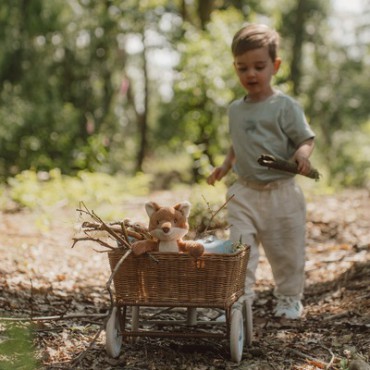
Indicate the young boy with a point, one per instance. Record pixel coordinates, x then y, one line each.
268 207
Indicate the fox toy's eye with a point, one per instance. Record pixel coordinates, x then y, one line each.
175 221
157 222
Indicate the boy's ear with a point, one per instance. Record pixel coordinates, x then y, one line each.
277 63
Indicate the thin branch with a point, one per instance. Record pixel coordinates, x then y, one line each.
143 230
330 364
90 238
320 363
95 226
53 318
104 251
83 354
110 231
214 214
124 230
109 282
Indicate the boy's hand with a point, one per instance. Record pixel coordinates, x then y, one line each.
303 163
217 174
301 157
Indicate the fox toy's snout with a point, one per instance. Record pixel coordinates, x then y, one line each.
166 227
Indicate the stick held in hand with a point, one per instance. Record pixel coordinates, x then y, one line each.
268 160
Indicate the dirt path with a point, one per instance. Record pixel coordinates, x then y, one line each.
40 275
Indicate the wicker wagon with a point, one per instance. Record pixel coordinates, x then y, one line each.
175 280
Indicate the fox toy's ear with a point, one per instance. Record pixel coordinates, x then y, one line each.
184 208
151 207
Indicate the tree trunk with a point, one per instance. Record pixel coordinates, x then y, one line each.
142 118
205 8
299 26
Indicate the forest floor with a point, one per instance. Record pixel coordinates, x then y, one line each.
42 276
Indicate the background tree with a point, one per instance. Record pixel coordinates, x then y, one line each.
204 86
337 95
111 85
60 91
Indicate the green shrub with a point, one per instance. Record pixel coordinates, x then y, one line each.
42 191
16 348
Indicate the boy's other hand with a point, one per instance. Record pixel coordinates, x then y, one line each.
217 174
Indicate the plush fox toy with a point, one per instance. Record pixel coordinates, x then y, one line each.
168 225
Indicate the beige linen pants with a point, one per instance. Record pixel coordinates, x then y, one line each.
273 215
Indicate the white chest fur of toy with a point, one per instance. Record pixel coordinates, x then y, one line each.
168 237
168 246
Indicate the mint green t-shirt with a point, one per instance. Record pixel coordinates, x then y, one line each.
274 126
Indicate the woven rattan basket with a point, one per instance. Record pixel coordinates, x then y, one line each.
172 279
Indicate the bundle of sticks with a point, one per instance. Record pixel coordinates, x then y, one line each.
122 233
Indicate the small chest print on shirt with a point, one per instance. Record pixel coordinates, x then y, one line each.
249 126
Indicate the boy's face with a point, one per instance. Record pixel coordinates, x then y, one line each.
255 69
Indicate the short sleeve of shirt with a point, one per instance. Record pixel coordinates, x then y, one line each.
294 123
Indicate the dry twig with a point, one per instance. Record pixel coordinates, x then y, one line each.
54 318
319 363
122 232
270 161
215 213
83 354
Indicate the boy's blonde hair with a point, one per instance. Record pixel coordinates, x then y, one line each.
255 36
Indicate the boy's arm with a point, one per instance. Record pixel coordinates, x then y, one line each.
219 172
302 154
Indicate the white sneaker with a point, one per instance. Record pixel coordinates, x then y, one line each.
290 308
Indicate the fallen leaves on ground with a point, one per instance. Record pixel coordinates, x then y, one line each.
41 276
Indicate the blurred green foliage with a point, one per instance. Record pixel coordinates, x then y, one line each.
45 191
114 86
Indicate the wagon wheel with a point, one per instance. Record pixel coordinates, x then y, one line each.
236 336
113 341
248 322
